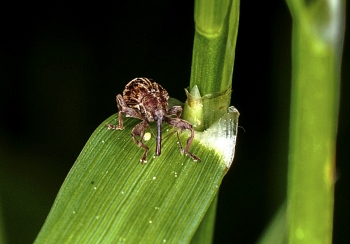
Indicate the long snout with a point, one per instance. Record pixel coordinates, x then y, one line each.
159 136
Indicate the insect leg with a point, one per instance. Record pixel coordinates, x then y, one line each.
117 127
183 125
175 110
123 108
139 130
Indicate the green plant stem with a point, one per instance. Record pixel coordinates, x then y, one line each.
212 61
211 76
214 45
317 43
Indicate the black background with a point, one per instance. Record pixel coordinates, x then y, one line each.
61 66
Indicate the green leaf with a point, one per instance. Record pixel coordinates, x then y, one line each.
110 197
276 231
205 231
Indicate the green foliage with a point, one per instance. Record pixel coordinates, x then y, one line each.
276 230
317 43
110 197
318 32
209 94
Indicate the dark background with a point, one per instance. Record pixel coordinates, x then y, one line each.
62 65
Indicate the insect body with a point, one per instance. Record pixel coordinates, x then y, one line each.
146 100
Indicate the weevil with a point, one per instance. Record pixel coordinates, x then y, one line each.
146 100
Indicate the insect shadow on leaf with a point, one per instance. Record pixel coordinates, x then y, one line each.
146 100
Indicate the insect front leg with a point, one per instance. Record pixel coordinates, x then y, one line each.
123 108
175 110
139 130
183 125
117 127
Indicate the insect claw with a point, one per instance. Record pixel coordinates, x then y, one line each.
114 127
143 160
194 157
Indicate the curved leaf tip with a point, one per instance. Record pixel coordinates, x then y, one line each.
222 135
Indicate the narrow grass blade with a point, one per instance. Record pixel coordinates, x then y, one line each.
110 197
205 231
276 231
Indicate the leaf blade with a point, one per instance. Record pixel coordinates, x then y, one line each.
110 197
